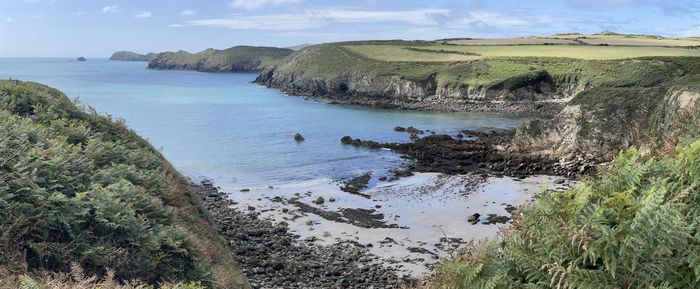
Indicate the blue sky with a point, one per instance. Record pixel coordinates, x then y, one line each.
96 28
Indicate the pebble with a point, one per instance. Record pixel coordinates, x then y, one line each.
272 257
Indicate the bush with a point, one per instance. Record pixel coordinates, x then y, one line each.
633 226
76 187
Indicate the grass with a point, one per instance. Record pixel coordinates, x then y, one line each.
591 39
396 53
566 51
512 41
335 61
642 40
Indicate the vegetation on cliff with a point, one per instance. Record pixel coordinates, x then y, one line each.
78 189
598 106
234 59
632 226
343 61
131 56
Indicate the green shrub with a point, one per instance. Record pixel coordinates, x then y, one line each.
633 226
76 187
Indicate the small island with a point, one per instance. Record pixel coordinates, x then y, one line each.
81 59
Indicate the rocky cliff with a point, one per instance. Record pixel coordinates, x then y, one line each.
586 108
650 119
235 59
131 56
355 80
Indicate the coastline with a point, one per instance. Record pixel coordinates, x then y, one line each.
416 221
434 103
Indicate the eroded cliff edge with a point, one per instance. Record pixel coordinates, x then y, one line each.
585 108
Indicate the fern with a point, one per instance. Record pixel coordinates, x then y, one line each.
634 226
26 282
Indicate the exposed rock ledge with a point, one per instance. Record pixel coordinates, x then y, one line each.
537 97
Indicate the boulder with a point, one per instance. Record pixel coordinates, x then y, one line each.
473 219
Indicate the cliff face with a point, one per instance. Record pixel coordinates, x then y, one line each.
367 82
649 119
236 59
131 56
587 108
429 94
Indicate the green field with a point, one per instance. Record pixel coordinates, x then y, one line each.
403 53
584 39
400 53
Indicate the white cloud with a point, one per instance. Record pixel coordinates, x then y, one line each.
110 9
601 2
188 12
418 17
316 18
255 4
481 19
9 19
143 14
263 22
50 2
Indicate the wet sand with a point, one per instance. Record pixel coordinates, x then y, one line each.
423 209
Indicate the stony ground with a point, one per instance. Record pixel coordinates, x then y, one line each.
272 257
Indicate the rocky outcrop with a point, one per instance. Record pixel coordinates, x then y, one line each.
649 120
587 110
481 153
272 256
235 59
131 56
429 94
302 74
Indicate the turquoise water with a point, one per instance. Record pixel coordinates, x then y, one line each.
222 127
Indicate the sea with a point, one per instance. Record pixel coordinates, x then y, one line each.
224 127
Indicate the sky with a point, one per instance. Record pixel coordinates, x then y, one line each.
97 28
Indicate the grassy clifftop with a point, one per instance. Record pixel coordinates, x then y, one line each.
465 64
601 100
234 59
77 188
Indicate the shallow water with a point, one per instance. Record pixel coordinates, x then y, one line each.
239 134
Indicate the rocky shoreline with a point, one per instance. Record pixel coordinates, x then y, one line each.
380 99
477 152
272 257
